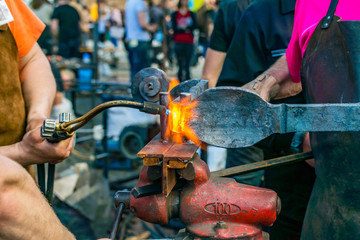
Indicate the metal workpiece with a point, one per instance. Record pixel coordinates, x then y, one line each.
194 87
233 117
148 83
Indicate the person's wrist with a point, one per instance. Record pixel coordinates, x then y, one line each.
34 121
19 154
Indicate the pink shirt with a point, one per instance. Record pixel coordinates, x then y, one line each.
308 13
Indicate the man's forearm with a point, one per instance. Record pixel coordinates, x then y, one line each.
38 84
214 62
54 27
24 212
39 92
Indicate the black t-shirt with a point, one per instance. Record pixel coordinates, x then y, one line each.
261 37
68 19
227 17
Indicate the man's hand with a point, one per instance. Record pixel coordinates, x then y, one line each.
35 149
265 86
275 82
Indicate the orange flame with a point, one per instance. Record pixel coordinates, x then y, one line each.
180 112
179 116
173 83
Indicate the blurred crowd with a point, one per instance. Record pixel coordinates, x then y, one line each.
166 33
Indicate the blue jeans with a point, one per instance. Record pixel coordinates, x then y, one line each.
184 53
139 57
70 48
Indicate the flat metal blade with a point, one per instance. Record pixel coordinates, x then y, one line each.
233 117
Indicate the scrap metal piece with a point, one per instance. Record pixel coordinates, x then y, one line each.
233 117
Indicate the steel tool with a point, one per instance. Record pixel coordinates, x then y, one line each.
233 117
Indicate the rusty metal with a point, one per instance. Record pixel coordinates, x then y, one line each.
156 148
148 83
169 156
210 208
233 117
151 161
252 167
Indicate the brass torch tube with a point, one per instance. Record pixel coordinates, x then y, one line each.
87 117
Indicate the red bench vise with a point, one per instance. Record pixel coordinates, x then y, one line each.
211 208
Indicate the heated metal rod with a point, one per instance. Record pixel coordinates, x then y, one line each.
117 221
50 182
41 177
252 167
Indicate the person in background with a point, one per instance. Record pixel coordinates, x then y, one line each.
43 10
84 19
206 18
65 27
116 30
138 29
85 24
322 61
262 35
227 18
156 14
103 21
183 24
